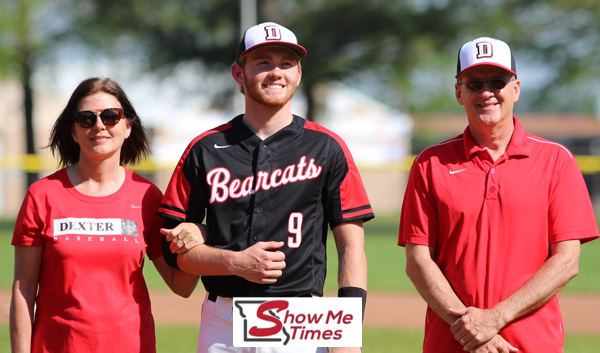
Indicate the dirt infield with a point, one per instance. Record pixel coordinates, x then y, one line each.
581 313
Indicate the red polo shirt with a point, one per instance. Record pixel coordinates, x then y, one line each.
492 224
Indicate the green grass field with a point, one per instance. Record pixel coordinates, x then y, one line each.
386 273
386 261
182 339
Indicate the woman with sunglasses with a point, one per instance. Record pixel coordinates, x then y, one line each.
82 234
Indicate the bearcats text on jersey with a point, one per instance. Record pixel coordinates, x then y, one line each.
218 179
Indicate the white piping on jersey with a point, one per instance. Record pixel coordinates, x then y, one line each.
552 143
439 144
531 138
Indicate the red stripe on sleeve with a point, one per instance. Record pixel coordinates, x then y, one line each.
358 213
352 190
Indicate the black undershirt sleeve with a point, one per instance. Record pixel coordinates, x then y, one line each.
170 258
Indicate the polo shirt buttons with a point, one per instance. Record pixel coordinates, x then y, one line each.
493 171
255 238
259 210
492 189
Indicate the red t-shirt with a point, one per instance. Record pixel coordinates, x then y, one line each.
92 295
492 224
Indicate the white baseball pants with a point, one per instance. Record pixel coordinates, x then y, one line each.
216 331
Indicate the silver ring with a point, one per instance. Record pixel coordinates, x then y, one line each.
463 341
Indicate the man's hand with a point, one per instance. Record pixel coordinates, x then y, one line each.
345 350
475 326
185 236
496 345
259 264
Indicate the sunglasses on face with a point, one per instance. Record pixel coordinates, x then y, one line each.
109 116
495 84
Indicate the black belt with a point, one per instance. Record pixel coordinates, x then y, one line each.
213 296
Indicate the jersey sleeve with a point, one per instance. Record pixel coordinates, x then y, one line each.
30 225
419 216
570 213
346 195
183 200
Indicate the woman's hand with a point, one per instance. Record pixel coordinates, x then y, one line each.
185 236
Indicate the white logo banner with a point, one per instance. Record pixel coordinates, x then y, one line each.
95 226
297 322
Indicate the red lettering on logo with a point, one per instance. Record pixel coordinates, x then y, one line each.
260 313
338 335
331 316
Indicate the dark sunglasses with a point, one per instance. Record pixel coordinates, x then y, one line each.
495 84
109 116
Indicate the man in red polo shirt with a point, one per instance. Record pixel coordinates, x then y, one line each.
493 219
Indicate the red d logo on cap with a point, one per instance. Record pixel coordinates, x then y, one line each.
273 33
484 50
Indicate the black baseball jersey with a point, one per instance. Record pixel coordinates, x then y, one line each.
287 188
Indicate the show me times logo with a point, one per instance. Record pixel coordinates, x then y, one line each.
297 322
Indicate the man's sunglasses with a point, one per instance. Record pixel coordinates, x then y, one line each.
109 116
495 84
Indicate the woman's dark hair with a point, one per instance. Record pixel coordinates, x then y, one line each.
135 148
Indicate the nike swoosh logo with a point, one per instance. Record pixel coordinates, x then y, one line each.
457 171
217 146
132 206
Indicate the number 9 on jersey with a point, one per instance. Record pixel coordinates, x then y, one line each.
295 227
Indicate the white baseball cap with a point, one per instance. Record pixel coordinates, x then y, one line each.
269 33
485 51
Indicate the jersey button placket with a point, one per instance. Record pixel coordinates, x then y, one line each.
261 197
258 222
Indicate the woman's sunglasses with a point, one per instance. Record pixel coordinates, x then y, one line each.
494 85
109 116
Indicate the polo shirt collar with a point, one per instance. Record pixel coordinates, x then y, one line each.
518 146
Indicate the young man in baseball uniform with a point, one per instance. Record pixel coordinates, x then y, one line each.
493 219
268 183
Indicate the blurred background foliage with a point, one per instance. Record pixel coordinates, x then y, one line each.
402 52
400 48
405 51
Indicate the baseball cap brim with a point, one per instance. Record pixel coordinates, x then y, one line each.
298 49
489 64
